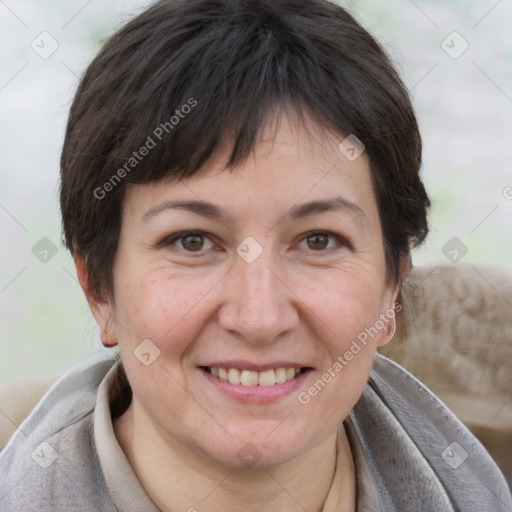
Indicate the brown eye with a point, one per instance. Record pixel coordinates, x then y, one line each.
318 241
188 242
192 242
324 242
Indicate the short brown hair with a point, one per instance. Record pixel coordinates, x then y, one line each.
190 72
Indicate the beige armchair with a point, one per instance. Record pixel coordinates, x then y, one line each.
454 333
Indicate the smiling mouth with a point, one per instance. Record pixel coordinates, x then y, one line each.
267 378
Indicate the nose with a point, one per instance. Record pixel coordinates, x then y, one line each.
259 304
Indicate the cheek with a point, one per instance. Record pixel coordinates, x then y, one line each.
343 321
170 310
343 308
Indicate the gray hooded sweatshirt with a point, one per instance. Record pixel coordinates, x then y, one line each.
420 457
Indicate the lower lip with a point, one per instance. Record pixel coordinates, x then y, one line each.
257 394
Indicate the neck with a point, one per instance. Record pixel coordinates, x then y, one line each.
178 477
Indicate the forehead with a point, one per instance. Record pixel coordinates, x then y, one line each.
290 164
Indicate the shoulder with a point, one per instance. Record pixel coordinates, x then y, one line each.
419 452
52 457
18 399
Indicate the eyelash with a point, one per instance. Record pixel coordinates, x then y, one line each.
169 241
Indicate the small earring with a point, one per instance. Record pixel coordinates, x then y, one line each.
105 330
393 329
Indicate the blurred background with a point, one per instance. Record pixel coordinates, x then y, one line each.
455 57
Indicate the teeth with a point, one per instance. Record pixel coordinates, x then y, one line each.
233 376
280 375
252 378
267 378
249 378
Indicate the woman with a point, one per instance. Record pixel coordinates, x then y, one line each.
240 191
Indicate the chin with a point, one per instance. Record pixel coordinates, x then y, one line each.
263 450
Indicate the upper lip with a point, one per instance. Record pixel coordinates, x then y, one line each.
241 364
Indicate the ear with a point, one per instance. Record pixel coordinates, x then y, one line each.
391 304
101 310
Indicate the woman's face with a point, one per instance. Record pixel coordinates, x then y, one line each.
274 267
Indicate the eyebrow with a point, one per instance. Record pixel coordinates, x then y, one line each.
324 205
198 207
298 211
